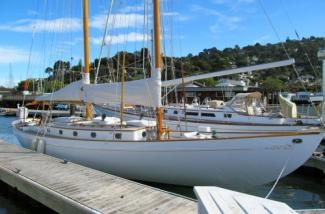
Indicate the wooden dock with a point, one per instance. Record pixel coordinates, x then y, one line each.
70 188
223 201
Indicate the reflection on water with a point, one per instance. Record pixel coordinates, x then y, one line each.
298 190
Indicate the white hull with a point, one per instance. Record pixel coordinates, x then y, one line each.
215 126
232 163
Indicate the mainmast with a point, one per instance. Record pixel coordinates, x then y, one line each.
156 74
86 76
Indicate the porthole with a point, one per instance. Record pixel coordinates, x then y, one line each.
144 134
118 136
175 112
93 134
75 133
60 132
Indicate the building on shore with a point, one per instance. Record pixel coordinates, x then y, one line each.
224 90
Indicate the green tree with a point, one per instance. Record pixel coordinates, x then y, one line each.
272 84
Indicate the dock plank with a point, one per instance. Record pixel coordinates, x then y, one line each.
71 188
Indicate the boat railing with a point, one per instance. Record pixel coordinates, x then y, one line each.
304 110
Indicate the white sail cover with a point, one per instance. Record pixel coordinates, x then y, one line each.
69 93
146 92
137 92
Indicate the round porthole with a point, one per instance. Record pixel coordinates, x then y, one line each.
144 134
60 132
118 136
93 134
75 133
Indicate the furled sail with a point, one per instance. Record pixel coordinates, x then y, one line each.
69 93
137 92
144 92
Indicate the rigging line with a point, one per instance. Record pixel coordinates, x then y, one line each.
145 27
280 174
173 63
29 58
135 43
286 53
144 38
165 101
103 40
109 58
30 53
298 37
47 116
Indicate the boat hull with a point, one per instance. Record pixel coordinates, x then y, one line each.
237 163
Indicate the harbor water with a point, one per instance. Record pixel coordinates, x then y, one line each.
303 189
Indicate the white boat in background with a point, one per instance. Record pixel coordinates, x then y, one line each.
245 112
306 97
151 152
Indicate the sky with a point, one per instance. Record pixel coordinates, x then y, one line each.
36 33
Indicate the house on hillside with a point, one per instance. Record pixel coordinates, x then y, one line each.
230 83
307 78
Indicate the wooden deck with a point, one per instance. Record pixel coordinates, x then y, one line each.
71 188
223 201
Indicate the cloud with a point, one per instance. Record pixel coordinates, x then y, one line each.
224 22
62 25
118 20
233 2
32 13
39 25
246 1
134 8
228 22
176 15
121 38
262 39
219 1
12 55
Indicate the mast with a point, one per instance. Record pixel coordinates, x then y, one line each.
86 76
122 88
156 74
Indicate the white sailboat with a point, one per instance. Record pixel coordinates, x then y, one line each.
245 112
153 152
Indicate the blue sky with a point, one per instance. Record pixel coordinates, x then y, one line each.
43 31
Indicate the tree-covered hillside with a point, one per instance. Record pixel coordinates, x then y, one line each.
213 59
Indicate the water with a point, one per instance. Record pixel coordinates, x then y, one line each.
300 190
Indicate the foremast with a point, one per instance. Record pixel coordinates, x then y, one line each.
156 74
86 74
